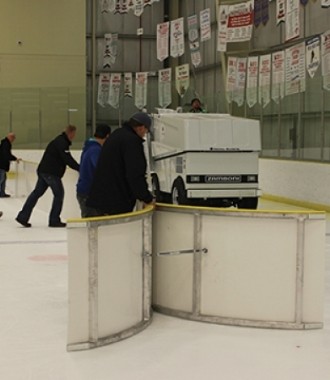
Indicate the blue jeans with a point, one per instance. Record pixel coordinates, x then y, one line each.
45 181
3 177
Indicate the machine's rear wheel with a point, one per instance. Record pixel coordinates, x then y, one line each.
179 195
248 203
156 187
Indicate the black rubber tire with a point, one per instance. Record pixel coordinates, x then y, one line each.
179 195
248 203
156 188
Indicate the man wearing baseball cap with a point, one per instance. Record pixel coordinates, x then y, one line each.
120 175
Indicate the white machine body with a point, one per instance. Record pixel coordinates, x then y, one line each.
214 157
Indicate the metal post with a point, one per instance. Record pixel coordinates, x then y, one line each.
300 270
197 267
93 283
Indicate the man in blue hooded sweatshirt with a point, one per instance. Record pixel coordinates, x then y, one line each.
88 161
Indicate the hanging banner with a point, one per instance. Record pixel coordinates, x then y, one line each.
205 24
264 79
312 56
222 27
303 2
162 40
295 69
280 11
114 90
103 89
231 78
239 92
257 12
193 37
108 6
292 22
177 38
240 22
278 76
264 11
138 7
325 52
164 87
141 89
325 3
182 79
128 84
110 49
252 81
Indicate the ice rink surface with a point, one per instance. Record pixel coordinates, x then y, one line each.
33 320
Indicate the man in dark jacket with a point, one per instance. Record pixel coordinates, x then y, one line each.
5 157
51 169
88 161
120 175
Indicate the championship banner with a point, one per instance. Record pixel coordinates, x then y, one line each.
177 38
205 24
164 87
231 78
108 6
292 22
280 11
295 69
162 40
141 89
103 89
240 22
128 84
182 79
138 6
257 12
114 90
312 56
325 3
325 52
252 81
222 27
278 76
239 92
264 79
265 11
193 38
110 49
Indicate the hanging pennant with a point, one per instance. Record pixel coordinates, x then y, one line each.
103 89
280 11
239 91
205 24
325 3
108 6
222 27
303 2
164 87
257 13
240 22
278 76
177 38
162 40
264 11
295 69
182 79
264 79
193 37
325 53
110 49
312 55
128 84
114 90
292 23
138 8
141 83
231 78
252 81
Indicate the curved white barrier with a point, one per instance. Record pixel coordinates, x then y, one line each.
109 278
244 268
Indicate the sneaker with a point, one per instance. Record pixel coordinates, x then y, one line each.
1 213
5 196
23 222
57 224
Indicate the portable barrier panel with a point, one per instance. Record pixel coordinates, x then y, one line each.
244 268
109 278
